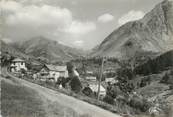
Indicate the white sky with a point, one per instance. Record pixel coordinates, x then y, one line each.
77 23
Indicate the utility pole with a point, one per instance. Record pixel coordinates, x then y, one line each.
100 78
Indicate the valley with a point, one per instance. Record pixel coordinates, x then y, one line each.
129 74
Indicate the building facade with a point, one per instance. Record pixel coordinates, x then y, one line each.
53 72
17 65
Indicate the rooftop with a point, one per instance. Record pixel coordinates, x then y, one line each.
94 87
18 60
91 78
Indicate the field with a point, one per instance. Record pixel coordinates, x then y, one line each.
21 101
24 99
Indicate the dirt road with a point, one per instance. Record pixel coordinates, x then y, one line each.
58 100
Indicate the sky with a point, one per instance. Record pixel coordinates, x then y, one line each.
77 23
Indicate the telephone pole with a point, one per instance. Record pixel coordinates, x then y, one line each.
100 78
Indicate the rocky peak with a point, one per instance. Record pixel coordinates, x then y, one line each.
152 33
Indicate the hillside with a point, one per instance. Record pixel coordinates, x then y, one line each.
160 63
7 49
43 102
46 49
152 33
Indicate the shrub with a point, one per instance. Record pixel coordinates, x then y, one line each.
139 103
108 99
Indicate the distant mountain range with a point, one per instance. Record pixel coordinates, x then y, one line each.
152 33
43 49
46 49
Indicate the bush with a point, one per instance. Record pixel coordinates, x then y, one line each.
23 71
88 92
139 103
108 99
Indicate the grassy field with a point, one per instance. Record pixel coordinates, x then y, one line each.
19 101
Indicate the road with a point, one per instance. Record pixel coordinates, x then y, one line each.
81 107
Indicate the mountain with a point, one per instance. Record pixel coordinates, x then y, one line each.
7 49
152 33
46 49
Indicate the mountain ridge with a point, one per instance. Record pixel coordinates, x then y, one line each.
154 32
47 50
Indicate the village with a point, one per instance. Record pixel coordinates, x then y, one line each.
56 73
85 58
104 82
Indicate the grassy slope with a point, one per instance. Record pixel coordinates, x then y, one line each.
19 101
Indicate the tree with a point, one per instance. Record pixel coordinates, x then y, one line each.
70 68
6 59
125 73
88 92
75 84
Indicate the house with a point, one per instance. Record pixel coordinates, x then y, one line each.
109 70
17 65
89 72
91 78
94 88
111 80
44 73
53 72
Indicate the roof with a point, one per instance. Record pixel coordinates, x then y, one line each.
109 79
94 87
57 68
91 78
90 72
18 60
